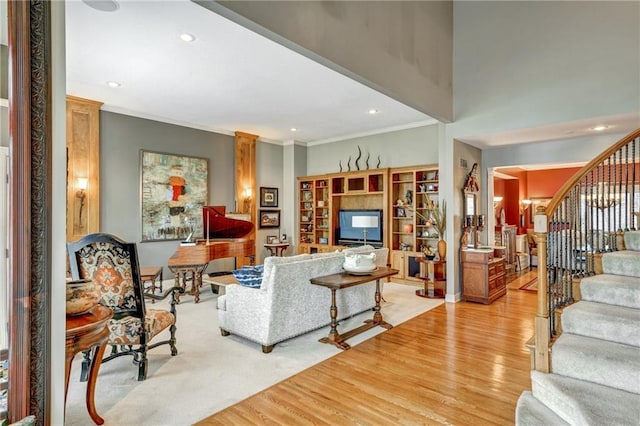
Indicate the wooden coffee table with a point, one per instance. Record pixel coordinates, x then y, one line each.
343 280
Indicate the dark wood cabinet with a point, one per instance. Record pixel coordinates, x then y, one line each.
483 276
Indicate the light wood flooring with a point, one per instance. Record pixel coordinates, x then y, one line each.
458 364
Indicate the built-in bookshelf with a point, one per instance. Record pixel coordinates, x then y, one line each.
413 197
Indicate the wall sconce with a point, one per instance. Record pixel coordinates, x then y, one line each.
82 184
496 203
247 199
524 205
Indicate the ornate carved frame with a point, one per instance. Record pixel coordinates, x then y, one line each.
30 189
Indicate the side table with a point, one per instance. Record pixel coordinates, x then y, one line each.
151 274
435 279
276 249
83 333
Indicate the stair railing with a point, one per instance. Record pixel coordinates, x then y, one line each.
586 218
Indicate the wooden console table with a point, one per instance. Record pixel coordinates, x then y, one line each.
83 333
343 280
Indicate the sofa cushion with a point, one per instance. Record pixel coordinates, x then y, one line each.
249 276
360 249
327 254
271 261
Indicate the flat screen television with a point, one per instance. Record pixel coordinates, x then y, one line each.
348 234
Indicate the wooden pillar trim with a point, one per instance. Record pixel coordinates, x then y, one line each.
30 189
83 161
245 165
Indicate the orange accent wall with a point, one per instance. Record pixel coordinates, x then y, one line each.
530 184
545 183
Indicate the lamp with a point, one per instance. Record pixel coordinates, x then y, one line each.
247 199
364 222
82 184
602 197
524 205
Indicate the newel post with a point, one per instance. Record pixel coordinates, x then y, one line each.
542 327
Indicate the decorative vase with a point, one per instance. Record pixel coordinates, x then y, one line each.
442 249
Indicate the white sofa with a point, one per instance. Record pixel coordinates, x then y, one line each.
287 304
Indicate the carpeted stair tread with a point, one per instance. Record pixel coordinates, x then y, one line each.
612 289
624 262
632 240
598 361
583 403
531 412
601 321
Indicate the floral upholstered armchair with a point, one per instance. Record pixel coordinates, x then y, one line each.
112 264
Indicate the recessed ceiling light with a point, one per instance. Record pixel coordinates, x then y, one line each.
599 128
187 37
373 111
102 5
113 84
293 129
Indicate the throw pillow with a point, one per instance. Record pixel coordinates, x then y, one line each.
249 276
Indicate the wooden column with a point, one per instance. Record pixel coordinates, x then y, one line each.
245 159
83 163
30 210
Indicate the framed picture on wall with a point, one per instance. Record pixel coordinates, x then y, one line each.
269 218
173 189
272 239
268 197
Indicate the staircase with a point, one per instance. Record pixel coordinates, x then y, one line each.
595 362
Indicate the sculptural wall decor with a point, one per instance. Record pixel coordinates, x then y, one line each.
357 161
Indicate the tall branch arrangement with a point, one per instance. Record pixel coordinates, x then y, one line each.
437 214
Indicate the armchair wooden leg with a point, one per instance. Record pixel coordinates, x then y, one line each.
224 332
172 340
267 348
142 363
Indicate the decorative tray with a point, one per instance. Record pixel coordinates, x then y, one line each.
362 272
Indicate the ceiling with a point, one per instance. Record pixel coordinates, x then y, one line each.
228 79
231 78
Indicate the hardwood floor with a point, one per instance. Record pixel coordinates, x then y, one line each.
463 363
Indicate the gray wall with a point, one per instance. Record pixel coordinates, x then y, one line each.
121 139
295 165
550 152
269 173
527 63
400 148
402 49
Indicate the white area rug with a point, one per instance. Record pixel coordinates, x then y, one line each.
212 372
